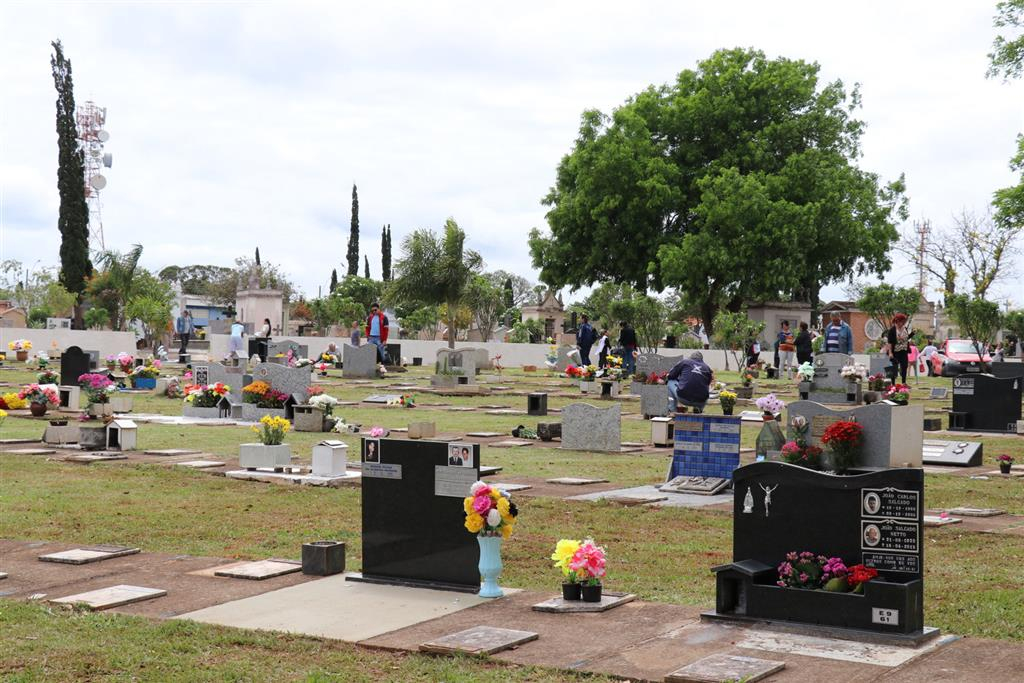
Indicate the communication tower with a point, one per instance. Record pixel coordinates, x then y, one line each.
91 138
923 228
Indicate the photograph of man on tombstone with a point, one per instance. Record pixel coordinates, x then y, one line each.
371 450
377 331
456 455
872 503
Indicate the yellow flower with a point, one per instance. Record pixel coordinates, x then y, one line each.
474 523
506 530
503 506
564 550
467 505
13 402
495 494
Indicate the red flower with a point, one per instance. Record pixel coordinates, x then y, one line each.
843 432
860 574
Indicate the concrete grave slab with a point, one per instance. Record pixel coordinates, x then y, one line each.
460 409
97 457
172 451
511 443
485 435
200 464
591 428
976 512
936 520
382 398
31 451
512 488
575 481
631 499
684 500
718 668
270 477
785 642
88 554
115 596
506 411
609 600
332 607
12 442
259 570
479 640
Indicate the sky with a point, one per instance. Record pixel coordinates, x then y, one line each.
236 125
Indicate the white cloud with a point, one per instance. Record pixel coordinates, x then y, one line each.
241 125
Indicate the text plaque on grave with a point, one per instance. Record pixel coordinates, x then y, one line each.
382 470
890 503
201 374
890 535
453 482
819 423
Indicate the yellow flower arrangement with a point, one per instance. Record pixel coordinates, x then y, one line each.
271 430
13 402
20 345
3 415
474 523
564 550
489 511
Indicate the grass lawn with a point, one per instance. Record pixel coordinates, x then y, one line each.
972 584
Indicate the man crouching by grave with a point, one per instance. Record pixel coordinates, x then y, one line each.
377 331
689 383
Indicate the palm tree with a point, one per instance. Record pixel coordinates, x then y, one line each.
435 270
118 278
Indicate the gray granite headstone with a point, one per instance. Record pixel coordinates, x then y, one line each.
235 377
481 359
457 359
653 362
282 345
566 356
878 362
893 435
829 386
589 428
282 378
359 361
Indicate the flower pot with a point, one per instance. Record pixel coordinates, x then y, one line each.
100 409
727 410
144 382
591 593
323 558
571 591
92 437
745 392
871 397
189 410
490 566
1004 467
37 409
255 455
21 355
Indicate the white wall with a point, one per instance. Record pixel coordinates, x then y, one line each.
104 341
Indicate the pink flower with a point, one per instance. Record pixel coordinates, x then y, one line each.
377 432
482 503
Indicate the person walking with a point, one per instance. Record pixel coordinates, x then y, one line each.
235 348
913 359
803 344
601 349
927 352
354 337
787 350
377 331
185 329
838 336
585 337
627 340
689 382
897 345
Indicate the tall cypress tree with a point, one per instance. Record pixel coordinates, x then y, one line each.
258 256
353 235
73 217
385 253
334 280
366 266
510 297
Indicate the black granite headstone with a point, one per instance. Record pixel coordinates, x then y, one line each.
537 403
875 519
258 347
74 363
394 352
990 403
413 518
1005 369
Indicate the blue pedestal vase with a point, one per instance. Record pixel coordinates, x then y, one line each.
490 566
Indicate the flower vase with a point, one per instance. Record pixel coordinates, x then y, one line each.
21 355
37 409
727 410
1004 467
490 566
770 439
591 592
571 591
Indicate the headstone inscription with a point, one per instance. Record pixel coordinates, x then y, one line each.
829 386
201 374
986 403
959 453
892 434
705 446
432 546
74 363
873 519
589 428
359 362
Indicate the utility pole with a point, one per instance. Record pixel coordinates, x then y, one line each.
923 228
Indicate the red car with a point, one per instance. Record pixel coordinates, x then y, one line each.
957 356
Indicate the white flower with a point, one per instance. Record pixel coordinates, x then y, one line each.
476 487
493 517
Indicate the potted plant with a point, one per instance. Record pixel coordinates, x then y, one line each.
853 374
38 398
587 373
21 347
98 390
898 394
1005 463
110 362
746 388
144 376
48 376
770 439
491 515
565 549
728 400
844 439
125 362
271 451
588 562
876 385
259 399
201 400
804 379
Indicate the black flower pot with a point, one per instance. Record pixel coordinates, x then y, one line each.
571 591
591 593
323 558
1004 467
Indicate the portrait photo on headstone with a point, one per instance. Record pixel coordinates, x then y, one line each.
460 455
371 450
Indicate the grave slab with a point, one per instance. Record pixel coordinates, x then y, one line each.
268 476
97 457
3 575
575 481
172 451
976 512
11 442
609 600
333 607
631 499
31 451
115 596
512 488
259 570
200 464
683 500
479 640
485 435
511 443
89 554
936 520
725 667
787 642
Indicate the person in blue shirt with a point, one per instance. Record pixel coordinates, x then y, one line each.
585 338
838 336
185 329
377 331
689 382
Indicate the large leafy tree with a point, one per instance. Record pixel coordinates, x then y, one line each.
73 216
977 318
435 270
484 298
883 301
353 235
736 182
115 283
734 331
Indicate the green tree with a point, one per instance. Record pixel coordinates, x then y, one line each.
736 182
223 288
733 332
195 279
647 316
420 319
385 253
1013 322
334 310
508 294
361 290
96 318
1007 56
73 215
334 280
366 267
435 271
978 319
114 286
883 301
485 300
353 235
153 314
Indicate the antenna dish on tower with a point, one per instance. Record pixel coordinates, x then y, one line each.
108 159
98 182
102 135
